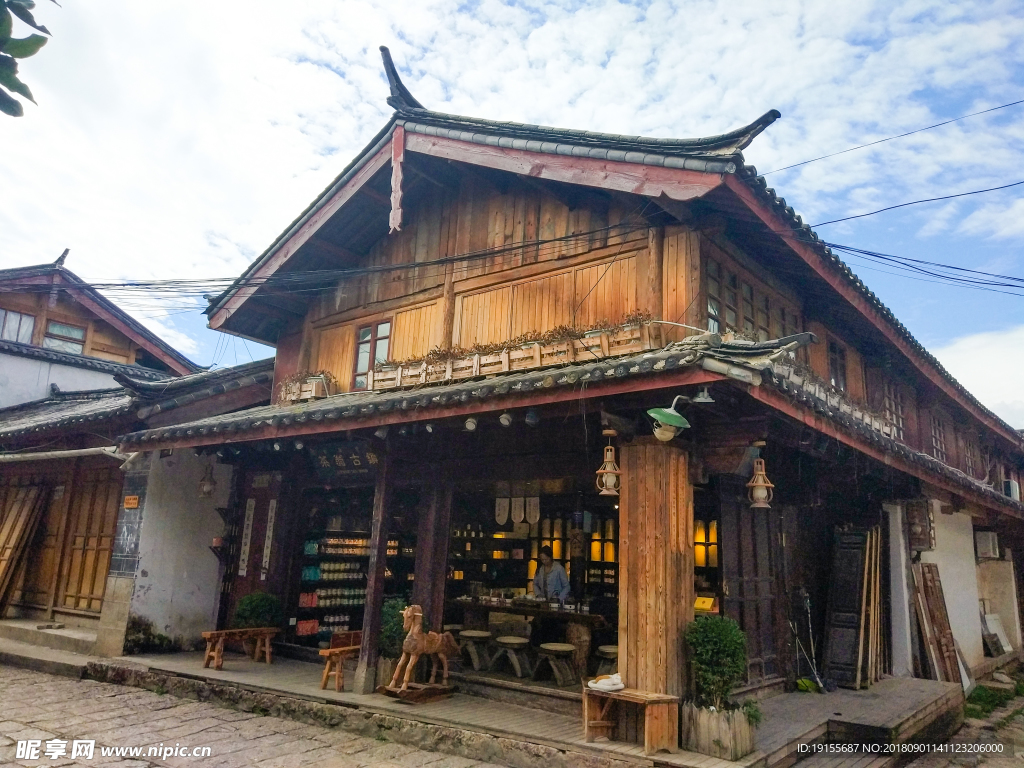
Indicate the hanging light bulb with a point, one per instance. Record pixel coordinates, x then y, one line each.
207 485
532 418
760 486
608 474
703 396
470 424
505 419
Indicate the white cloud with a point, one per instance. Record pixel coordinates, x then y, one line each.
177 140
997 221
991 366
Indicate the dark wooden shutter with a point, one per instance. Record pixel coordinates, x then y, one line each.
19 514
845 620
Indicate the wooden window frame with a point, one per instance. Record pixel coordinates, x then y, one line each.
970 456
18 337
937 433
716 323
747 314
373 341
47 334
894 407
838 367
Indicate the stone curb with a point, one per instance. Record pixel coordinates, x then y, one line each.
474 745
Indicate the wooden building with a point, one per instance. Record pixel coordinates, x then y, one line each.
72 506
471 304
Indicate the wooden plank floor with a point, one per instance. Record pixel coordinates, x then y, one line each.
789 719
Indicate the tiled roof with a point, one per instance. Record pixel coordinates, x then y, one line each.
778 204
186 390
64 409
81 361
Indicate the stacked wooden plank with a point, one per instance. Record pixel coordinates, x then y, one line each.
20 509
936 636
627 340
856 655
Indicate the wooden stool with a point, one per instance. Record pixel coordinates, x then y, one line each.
609 656
558 656
343 646
215 643
474 643
514 649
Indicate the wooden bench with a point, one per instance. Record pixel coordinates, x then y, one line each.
660 716
215 643
343 645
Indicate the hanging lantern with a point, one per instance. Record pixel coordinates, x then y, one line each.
668 422
608 474
207 485
760 486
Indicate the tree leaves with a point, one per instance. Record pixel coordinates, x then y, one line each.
9 78
23 47
10 106
23 10
12 48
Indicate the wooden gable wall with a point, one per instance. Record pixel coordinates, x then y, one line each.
101 339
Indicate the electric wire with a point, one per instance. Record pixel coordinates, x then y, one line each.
918 202
892 138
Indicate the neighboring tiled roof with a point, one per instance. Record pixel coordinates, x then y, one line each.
64 409
185 390
757 183
69 277
81 361
137 396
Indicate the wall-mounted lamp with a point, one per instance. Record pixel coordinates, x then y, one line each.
470 424
760 486
668 422
608 475
298 445
505 419
207 485
532 418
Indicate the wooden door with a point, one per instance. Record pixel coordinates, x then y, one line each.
256 568
844 624
92 523
44 553
748 557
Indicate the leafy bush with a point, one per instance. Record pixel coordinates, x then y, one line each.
141 637
392 632
258 610
718 657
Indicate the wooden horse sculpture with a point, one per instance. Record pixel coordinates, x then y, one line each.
418 643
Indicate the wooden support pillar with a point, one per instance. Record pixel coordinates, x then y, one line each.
655 565
366 670
431 568
652 289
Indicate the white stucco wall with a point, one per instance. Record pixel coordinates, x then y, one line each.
954 554
177 583
997 585
23 379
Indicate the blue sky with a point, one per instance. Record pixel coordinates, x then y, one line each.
177 141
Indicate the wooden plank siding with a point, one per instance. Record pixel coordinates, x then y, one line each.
606 291
92 525
681 270
336 353
655 566
416 331
539 305
483 317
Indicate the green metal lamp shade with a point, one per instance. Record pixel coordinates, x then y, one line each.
670 417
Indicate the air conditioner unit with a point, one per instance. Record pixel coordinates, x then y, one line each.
1011 488
987 545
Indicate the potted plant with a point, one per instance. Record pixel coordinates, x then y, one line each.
258 609
711 724
392 635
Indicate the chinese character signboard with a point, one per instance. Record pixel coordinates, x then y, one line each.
346 464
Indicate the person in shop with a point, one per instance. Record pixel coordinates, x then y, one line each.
550 583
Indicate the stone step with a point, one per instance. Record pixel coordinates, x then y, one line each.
48 635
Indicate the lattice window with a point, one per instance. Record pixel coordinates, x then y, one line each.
970 457
893 404
837 365
714 297
764 315
747 307
938 438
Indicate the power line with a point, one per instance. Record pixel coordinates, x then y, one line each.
892 138
918 202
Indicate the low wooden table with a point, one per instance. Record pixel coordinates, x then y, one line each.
660 716
215 643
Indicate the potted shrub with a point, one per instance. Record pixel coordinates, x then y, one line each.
392 635
258 609
711 724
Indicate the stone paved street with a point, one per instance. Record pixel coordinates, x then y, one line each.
44 707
